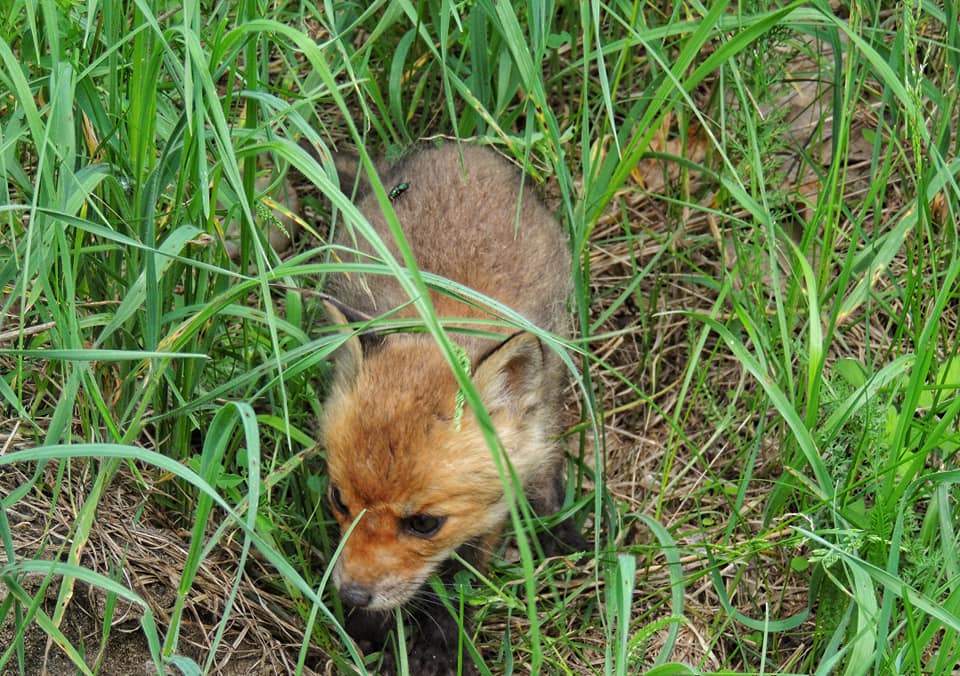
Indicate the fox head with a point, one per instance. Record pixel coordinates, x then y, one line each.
411 478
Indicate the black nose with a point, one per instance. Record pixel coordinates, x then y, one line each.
356 594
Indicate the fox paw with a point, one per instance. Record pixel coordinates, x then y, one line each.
564 538
424 660
431 660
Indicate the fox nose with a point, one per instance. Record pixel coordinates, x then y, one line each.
356 594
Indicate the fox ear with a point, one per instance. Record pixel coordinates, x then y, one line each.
350 356
511 374
347 165
349 171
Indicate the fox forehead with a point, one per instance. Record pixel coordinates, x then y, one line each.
406 377
392 438
411 467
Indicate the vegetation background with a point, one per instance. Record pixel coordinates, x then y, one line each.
762 204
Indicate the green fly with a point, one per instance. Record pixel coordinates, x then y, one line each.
398 190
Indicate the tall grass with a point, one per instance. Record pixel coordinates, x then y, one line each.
132 137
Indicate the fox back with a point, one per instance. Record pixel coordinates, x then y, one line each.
399 450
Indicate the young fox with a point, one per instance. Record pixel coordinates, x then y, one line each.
398 448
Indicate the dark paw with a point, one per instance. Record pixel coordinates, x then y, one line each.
422 661
430 660
369 629
387 666
564 538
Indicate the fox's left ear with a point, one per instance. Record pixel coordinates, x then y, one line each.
349 357
511 374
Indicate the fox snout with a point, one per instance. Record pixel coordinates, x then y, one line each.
356 595
376 571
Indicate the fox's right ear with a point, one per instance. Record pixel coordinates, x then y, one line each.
511 374
349 172
349 357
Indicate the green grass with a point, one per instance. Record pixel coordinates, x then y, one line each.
769 334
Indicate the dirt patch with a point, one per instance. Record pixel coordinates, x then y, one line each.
134 544
123 651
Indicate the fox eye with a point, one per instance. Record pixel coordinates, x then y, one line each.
337 500
423 525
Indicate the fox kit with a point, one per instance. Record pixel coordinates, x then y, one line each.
398 448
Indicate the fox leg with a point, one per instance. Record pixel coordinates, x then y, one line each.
433 650
437 638
435 631
546 498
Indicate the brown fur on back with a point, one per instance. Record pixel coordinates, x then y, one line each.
461 221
